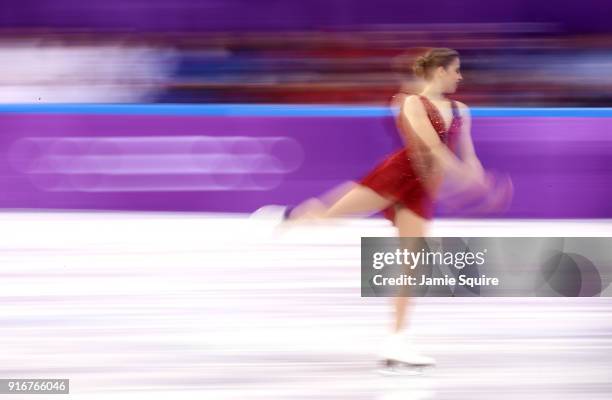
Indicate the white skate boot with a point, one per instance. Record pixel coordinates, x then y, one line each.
400 356
272 213
273 221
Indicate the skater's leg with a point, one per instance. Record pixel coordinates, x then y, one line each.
398 350
316 207
360 200
408 224
308 209
345 200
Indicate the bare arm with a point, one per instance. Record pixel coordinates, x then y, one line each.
466 145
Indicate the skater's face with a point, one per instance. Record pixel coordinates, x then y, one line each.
450 76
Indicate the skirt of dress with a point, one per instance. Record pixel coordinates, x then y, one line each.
396 179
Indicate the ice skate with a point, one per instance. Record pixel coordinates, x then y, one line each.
399 356
273 213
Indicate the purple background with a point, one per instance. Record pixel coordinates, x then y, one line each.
560 167
225 15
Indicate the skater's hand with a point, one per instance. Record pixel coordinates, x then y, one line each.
474 180
492 194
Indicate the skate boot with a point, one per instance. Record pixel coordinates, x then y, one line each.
274 219
400 356
273 213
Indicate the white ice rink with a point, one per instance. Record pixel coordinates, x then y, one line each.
207 306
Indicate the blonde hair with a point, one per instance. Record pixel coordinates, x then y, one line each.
434 58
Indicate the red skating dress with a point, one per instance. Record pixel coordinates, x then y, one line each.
406 175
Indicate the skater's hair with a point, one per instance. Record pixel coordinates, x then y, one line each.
427 63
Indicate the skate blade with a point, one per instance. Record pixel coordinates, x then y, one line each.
398 368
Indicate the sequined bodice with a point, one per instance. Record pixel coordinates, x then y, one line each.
437 121
417 153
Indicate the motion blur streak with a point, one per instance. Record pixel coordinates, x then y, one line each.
172 163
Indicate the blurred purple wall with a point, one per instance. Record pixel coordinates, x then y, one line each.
561 167
224 15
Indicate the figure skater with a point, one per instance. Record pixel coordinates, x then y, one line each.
405 186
